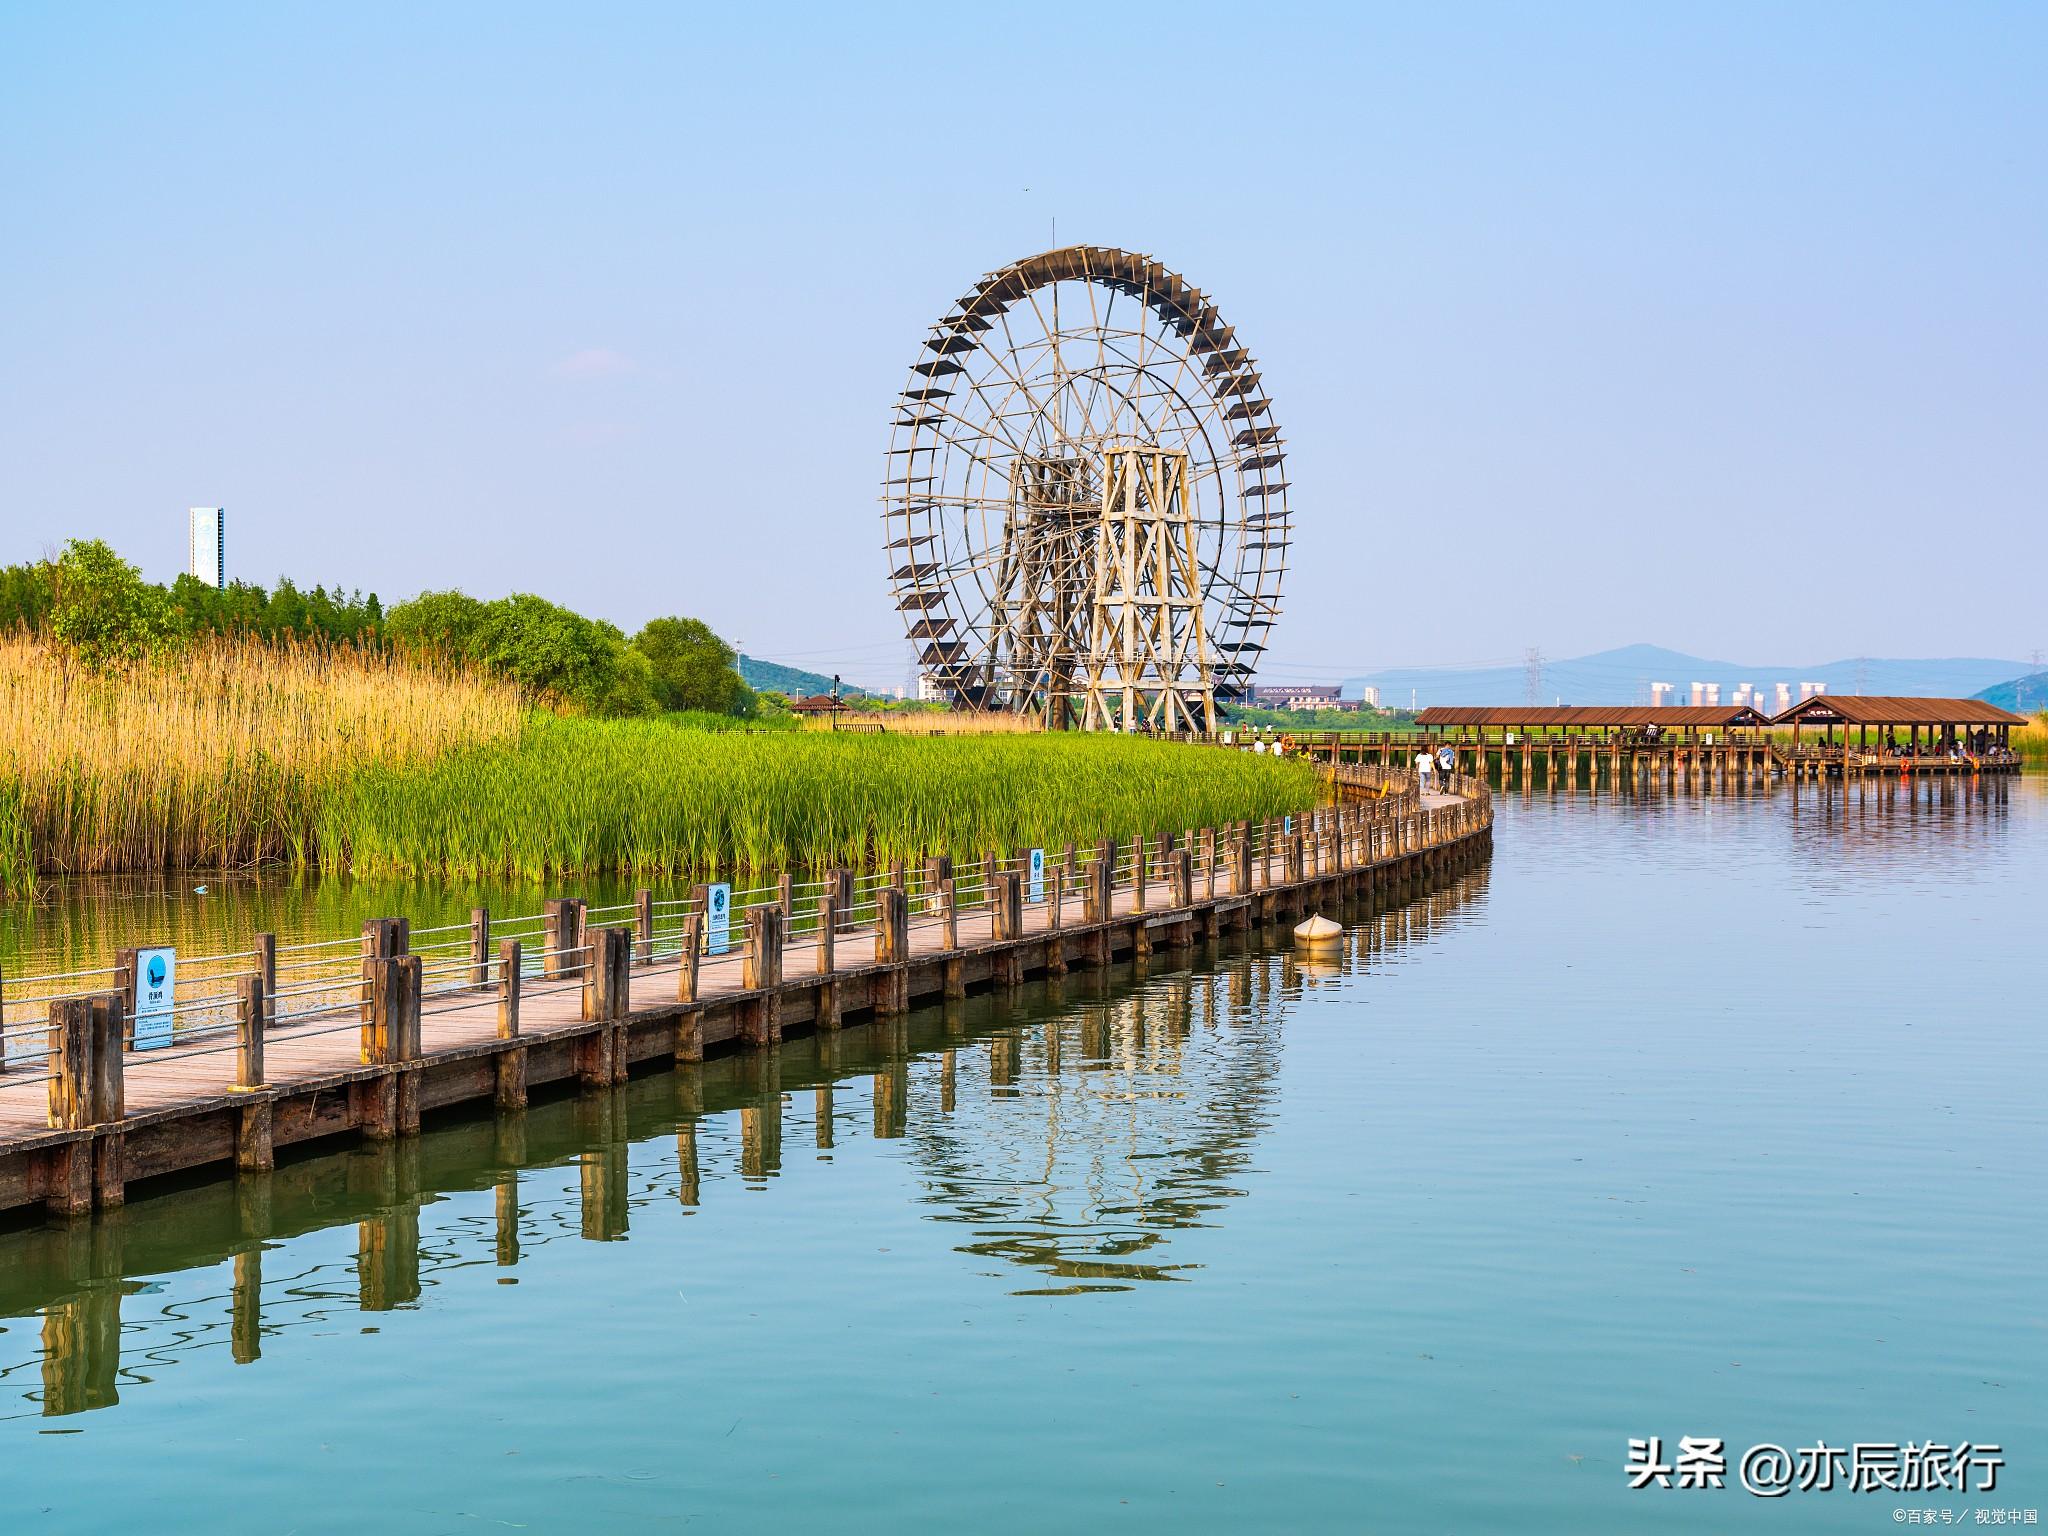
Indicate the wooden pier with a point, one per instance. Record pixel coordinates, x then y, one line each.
1825 736
380 1029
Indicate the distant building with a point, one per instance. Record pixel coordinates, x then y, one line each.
1660 694
818 706
929 690
1370 698
1784 698
1705 693
209 560
1808 690
1296 695
1304 696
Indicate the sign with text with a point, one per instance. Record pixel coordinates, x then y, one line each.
156 990
1038 874
717 919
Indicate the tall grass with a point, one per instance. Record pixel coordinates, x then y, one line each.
2031 741
592 797
213 758
239 753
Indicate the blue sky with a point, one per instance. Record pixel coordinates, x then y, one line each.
1722 326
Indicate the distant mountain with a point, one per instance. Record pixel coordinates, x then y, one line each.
2026 695
1623 676
790 680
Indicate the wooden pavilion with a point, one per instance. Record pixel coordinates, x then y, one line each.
1971 727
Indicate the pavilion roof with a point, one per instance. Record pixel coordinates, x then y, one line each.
1541 717
1890 709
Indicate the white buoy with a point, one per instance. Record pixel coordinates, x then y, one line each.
1317 932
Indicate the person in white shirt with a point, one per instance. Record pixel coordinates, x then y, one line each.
1423 767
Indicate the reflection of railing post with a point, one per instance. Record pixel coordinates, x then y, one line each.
505 1203
892 1100
245 1304
388 1259
82 1352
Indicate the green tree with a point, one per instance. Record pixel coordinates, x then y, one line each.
547 649
101 609
25 595
693 668
448 622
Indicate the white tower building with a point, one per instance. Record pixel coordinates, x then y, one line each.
210 546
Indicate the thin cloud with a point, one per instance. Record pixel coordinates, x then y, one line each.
596 363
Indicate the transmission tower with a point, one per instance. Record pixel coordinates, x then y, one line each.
1532 674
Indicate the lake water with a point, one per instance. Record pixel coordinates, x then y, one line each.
1687 1116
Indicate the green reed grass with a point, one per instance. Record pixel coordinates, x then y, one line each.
2031 741
646 798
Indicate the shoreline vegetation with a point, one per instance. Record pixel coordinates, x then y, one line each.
236 753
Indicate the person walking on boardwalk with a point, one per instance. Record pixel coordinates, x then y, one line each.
1446 764
1422 770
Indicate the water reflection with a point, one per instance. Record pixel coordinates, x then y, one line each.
1073 1130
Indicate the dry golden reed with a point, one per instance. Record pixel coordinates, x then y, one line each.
212 758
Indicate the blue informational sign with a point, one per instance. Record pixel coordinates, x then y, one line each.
1287 825
717 919
1038 874
156 990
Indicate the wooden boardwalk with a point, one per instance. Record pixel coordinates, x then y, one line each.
90 1122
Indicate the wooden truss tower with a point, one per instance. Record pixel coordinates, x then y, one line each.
1148 664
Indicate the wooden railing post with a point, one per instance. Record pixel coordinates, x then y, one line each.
949 913
250 1004
563 921
395 1011
266 967
828 921
380 943
71 1088
762 964
687 961
890 935
1056 919
607 977
480 947
643 927
510 1065
1009 906
509 963
892 948
1139 871
937 871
